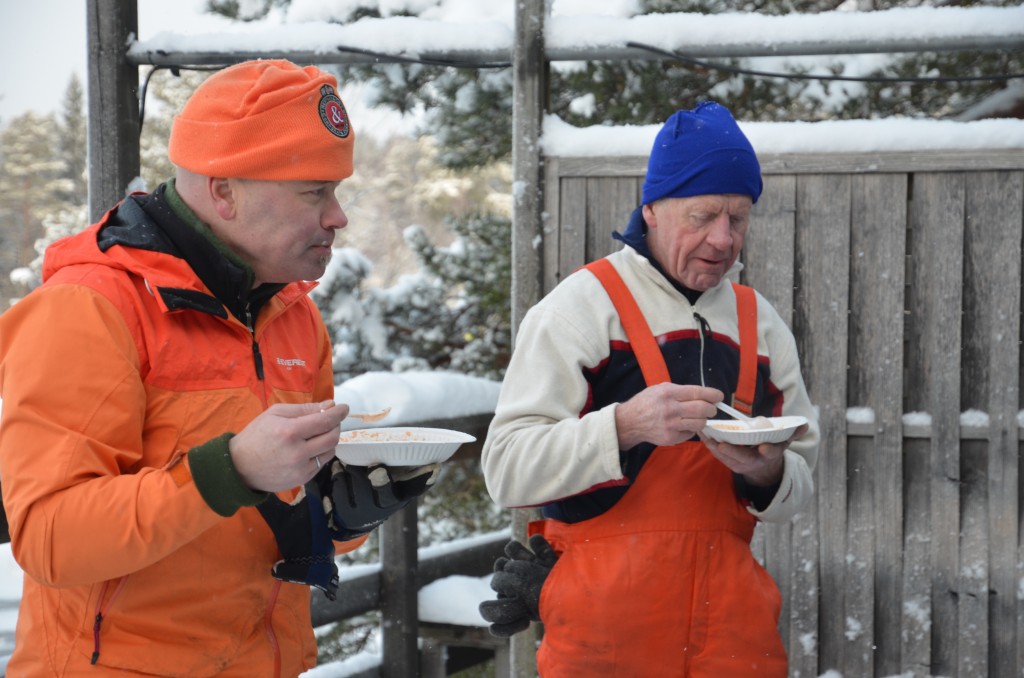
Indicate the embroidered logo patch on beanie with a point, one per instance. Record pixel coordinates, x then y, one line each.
701 152
265 119
333 113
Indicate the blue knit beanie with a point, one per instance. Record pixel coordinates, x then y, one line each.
701 152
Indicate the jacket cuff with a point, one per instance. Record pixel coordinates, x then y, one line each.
218 482
760 497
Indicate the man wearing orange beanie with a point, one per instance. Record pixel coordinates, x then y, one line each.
168 423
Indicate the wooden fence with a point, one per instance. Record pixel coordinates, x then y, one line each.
900 275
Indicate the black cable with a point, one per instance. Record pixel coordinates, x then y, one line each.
804 76
676 56
176 70
425 62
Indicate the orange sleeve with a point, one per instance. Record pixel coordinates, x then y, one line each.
72 419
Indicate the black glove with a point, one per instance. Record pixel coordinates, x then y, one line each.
518 580
302 536
362 497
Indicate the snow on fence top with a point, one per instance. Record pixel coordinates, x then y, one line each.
576 29
831 136
487 27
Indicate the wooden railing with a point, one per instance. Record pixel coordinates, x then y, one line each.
393 587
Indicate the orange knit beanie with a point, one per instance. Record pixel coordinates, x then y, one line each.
265 119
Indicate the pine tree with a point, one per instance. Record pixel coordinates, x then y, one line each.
72 143
166 93
453 314
45 171
471 331
447 307
32 182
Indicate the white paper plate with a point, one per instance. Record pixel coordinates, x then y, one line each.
737 433
399 446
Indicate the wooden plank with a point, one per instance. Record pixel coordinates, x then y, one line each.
550 225
892 161
823 163
113 85
992 302
529 92
604 166
768 255
359 595
915 655
820 316
610 201
858 580
973 584
572 239
936 248
399 612
768 252
877 271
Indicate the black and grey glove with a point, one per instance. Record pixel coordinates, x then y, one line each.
362 497
518 579
303 538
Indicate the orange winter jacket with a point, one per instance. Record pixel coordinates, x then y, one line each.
110 372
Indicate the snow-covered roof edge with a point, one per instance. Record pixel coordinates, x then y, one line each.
832 136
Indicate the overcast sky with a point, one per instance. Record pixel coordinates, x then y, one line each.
51 36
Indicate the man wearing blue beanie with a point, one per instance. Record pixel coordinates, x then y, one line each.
701 152
642 564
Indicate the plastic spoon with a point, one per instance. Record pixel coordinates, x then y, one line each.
371 416
751 422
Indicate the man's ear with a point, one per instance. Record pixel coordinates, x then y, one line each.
223 196
649 217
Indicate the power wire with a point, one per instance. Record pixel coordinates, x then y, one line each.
176 71
806 76
425 62
177 68
670 54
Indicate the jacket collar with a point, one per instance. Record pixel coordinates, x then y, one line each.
161 222
635 235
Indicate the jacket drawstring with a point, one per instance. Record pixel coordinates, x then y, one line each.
100 608
705 335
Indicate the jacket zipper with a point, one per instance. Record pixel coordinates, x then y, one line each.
100 609
257 357
705 333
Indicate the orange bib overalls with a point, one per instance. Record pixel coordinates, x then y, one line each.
663 584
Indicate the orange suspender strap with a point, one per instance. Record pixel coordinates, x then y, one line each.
652 362
649 356
746 312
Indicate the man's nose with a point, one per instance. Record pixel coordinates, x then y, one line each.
334 216
720 235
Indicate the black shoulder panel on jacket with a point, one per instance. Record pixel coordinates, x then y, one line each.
132 227
177 298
